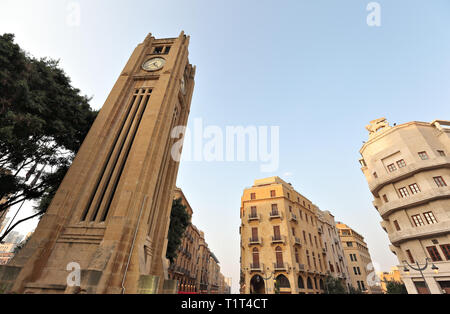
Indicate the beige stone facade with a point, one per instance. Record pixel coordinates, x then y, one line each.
358 259
111 213
407 168
196 269
282 243
332 247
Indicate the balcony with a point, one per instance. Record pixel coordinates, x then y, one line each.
275 214
254 217
324 251
297 241
256 267
319 229
426 231
280 267
414 200
255 241
293 217
300 267
278 239
375 184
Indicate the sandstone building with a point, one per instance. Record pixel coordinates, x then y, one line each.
283 245
391 276
407 168
358 259
111 213
196 269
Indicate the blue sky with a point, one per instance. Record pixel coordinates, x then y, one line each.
314 68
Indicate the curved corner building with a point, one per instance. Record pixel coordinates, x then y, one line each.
407 168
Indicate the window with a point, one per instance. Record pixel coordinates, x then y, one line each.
253 212
410 257
414 188
349 244
253 196
289 196
355 271
434 254
403 192
417 220
273 193
429 217
391 167
440 181
375 175
446 249
423 155
351 257
441 153
385 198
274 209
158 49
166 51
401 163
397 226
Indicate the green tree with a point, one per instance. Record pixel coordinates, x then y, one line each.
353 290
395 287
334 286
43 121
179 221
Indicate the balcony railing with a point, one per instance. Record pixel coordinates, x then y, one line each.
280 266
278 239
297 241
253 217
292 217
256 267
255 241
275 214
300 267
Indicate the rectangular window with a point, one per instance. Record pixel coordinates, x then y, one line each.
167 50
401 163
410 257
158 50
355 271
273 193
351 257
391 167
446 249
434 254
354 257
349 244
253 196
423 155
253 212
274 209
385 198
403 192
414 188
417 220
441 153
429 217
397 226
440 181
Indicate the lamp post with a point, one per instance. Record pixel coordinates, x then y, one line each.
421 269
266 279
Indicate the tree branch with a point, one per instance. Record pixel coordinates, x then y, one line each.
17 223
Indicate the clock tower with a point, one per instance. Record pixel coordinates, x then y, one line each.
106 229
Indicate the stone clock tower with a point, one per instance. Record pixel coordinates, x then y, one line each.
111 213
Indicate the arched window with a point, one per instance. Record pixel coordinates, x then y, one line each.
315 283
301 284
255 258
283 282
321 284
309 283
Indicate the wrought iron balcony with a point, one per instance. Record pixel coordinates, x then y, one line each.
293 217
256 267
275 214
280 267
278 239
254 217
255 241
297 241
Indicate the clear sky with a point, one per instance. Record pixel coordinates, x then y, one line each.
313 68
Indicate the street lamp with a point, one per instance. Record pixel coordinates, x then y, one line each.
421 269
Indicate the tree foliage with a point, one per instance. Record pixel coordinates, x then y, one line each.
179 221
334 286
43 122
395 287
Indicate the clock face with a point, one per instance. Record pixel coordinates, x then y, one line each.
183 86
154 64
